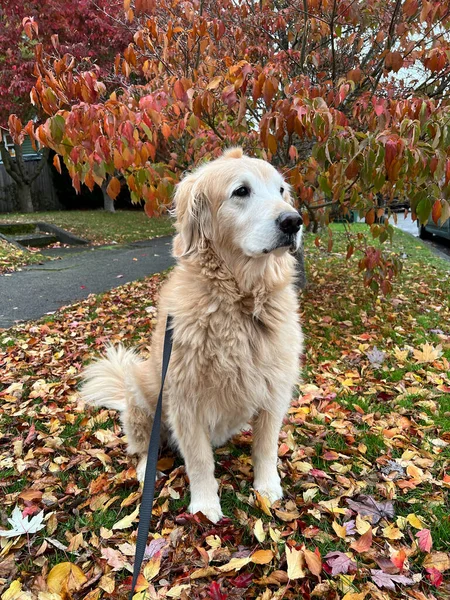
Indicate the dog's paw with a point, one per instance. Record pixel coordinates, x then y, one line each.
271 490
211 509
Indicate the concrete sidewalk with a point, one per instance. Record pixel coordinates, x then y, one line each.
40 289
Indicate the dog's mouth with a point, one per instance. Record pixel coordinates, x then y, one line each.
283 244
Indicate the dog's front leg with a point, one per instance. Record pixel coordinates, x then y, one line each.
195 446
266 429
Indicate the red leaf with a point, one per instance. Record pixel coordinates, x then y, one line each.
425 540
215 592
434 576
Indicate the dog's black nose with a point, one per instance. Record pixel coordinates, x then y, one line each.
289 222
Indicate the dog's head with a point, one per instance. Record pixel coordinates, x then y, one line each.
236 201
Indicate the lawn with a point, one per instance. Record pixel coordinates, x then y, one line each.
364 455
100 227
12 258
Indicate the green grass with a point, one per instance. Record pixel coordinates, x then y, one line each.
100 227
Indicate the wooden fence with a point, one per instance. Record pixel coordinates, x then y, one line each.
42 189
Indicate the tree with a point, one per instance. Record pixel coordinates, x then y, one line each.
81 28
347 96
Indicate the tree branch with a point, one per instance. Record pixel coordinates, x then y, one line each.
10 166
41 165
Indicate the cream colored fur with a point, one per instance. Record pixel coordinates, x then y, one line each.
236 335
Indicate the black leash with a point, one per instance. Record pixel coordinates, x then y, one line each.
148 493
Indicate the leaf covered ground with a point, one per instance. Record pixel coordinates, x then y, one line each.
12 258
364 456
100 227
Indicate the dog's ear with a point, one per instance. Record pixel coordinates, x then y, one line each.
193 214
234 152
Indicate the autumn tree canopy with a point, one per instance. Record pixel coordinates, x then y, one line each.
348 97
87 29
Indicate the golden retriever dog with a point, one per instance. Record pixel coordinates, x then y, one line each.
236 331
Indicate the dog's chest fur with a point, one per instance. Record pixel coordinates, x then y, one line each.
236 352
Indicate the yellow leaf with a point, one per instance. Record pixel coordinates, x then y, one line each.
235 564
259 532
303 467
392 533
213 541
415 521
428 353
340 530
151 569
438 560
295 563
333 506
205 572
263 503
14 592
400 355
362 525
127 521
107 584
177 590
262 557
65 577
308 495
355 596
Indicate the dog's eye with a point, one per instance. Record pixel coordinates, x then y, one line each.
242 191
281 190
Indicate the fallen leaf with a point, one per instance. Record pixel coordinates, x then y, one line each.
127 521
65 577
295 563
364 542
425 540
388 581
21 525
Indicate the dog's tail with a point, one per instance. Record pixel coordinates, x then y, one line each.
111 381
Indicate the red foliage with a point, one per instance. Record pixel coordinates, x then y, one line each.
80 28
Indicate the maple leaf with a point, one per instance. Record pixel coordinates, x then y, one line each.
368 506
428 353
376 357
387 580
340 563
425 540
21 525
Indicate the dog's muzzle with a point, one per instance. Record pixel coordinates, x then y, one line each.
289 223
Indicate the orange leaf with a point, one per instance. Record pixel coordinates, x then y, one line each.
394 61
261 557
56 163
436 211
364 542
313 561
30 495
370 217
113 188
166 131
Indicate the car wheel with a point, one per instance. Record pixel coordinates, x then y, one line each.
423 233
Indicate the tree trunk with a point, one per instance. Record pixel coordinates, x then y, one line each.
108 204
24 197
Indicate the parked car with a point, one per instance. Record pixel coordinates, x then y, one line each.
427 231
